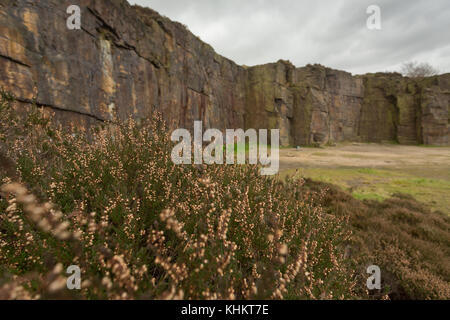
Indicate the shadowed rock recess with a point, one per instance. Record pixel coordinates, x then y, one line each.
132 61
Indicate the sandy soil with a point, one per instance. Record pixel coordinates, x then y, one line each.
404 158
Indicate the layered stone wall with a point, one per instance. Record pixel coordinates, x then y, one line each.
131 61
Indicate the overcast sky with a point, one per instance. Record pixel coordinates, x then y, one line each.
330 32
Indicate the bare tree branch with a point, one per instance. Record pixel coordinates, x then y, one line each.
415 69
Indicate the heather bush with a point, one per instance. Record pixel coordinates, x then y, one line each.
112 202
409 242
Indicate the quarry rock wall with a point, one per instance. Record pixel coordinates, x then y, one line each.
131 61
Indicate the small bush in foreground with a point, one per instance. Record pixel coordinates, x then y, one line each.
140 227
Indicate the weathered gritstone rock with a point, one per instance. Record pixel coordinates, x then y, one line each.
131 61
310 105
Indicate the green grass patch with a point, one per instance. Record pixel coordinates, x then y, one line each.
368 196
382 184
240 147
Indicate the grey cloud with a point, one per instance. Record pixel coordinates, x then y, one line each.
329 32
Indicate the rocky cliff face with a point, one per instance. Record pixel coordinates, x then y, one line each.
132 61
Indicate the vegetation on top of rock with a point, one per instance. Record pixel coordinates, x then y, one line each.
415 69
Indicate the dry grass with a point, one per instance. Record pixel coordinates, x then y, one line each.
410 243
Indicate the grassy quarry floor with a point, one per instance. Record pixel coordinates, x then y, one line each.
375 171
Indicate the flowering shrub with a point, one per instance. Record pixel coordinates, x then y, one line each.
409 242
139 227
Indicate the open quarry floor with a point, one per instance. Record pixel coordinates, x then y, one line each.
374 171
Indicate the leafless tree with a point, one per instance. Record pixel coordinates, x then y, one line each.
415 69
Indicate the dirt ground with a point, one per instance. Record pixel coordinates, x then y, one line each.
374 171
370 156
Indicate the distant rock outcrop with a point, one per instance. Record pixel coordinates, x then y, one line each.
132 61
